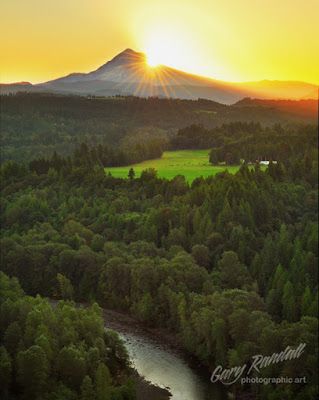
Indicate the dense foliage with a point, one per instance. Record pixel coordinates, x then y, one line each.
57 352
229 264
232 143
36 125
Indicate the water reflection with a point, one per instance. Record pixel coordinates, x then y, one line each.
167 369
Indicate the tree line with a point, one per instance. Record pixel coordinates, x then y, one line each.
101 155
251 142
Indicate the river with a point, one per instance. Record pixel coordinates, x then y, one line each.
162 364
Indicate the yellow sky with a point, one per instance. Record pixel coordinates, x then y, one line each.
234 40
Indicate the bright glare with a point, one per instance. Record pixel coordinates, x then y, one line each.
166 47
152 60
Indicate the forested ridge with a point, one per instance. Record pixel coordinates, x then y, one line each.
36 125
228 264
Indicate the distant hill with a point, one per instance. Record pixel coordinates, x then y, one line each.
15 87
307 108
129 74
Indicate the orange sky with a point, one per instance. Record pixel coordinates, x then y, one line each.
234 40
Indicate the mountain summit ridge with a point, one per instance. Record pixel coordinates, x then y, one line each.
127 56
128 73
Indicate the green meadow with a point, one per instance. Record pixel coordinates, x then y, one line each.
190 163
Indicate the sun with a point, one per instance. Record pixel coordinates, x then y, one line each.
152 60
165 45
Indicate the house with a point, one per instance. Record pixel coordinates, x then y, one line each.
266 162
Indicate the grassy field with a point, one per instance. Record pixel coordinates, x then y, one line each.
190 163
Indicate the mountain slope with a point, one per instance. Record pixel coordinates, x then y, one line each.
129 74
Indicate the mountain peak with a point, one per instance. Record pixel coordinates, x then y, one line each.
129 54
128 51
126 57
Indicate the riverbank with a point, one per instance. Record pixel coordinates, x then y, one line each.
124 323
146 391
162 365
159 365
121 321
